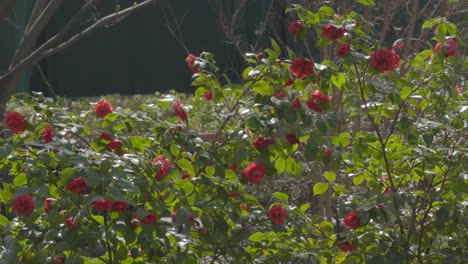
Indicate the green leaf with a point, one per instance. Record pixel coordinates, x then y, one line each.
210 171
20 180
431 22
304 207
98 218
263 88
276 47
338 80
175 150
280 165
320 188
367 2
357 180
188 187
281 196
4 221
186 165
257 237
330 176
327 10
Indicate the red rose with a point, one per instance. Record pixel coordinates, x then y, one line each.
297 28
163 165
59 260
23 205
254 173
77 186
278 214
292 139
106 136
149 219
302 68
103 108
458 90
346 247
327 153
47 134
450 47
177 106
289 83
102 205
119 206
318 96
233 195
70 222
260 56
385 60
332 33
351 220
233 167
262 142
398 44
245 207
114 144
296 104
191 63
280 95
15 122
49 204
343 49
208 95
314 106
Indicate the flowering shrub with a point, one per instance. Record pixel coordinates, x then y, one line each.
392 164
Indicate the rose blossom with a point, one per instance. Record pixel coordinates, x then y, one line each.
191 63
103 108
177 106
296 104
149 219
15 122
292 139
351 220
47 134
49 204
343 49
23 205
119 206
208 95
254 173
346 247
278 214
332 33
163 165
385 60
398 44
70 222
302 68
262 142
102 205
296 28
450 47
77 186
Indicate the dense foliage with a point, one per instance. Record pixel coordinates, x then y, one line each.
111 185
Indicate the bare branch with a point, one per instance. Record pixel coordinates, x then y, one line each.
35 28
5 9
35 13
45 50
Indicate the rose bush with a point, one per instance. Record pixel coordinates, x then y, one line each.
392 164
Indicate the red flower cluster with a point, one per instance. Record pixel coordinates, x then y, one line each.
332 33
47 134
385 60
450 47
103 108
23 205
177 106
254 173
163 165
70 222
318 101
108 205
346 247
278 214
77 186
302 68
191 63
343 49
292 139
262 142
297 28
351 220
15 122
114 144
